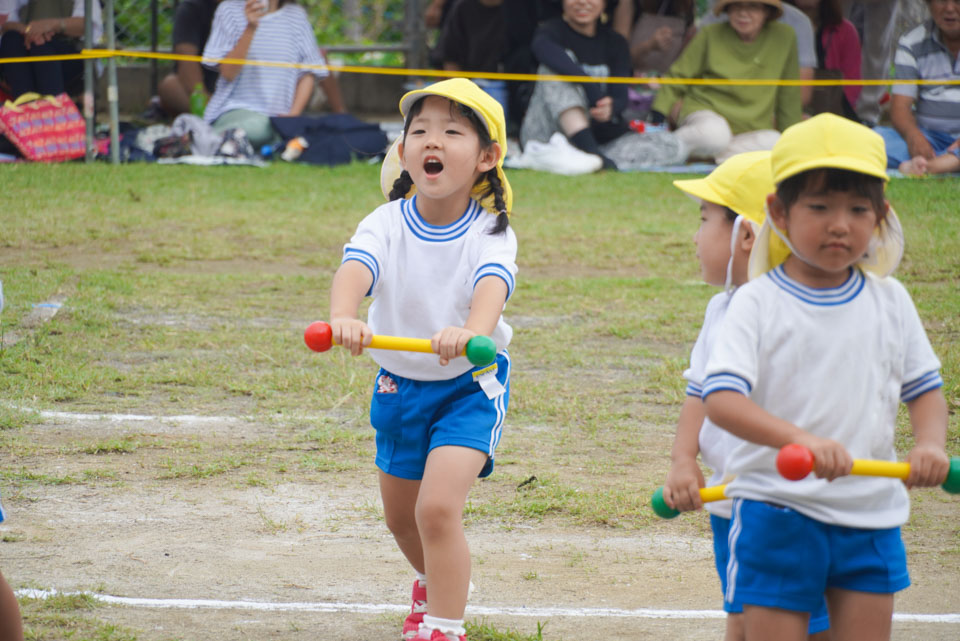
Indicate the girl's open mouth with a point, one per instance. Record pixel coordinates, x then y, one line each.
432 166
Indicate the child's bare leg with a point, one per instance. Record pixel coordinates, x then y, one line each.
859 616
916 166
399 509
820 636
11 626
943 164
735 630
450 473
573 120
764 624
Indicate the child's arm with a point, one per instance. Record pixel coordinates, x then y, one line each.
350 284
742 417
681 489
928 459
489 296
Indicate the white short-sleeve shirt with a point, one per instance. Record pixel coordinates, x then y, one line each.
284 35
424 277
715 443
835 362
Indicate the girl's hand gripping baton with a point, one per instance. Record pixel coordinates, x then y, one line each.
480 350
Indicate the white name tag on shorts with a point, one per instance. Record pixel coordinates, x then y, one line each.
487 378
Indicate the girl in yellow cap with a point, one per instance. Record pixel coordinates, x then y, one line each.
819 350
439 260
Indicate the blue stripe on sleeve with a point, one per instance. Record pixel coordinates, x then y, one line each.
493 269
694 390
920 386
725 381
366 259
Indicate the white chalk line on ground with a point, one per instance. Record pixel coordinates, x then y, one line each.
121 418
385 608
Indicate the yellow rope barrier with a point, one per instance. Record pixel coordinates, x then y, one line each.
87 54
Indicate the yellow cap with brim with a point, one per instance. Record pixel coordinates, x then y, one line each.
827 141
490 113
741 183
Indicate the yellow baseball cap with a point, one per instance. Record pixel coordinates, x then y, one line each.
487 109
741 182
828 141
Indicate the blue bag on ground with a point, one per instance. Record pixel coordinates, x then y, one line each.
333 139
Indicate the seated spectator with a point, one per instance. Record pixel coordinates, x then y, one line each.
657 31
474 36
41 28
521 19
717 121
589 114
806 43
191 28
838 50
246 96
877 23
926 118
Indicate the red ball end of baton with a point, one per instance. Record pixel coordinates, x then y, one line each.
318 336
794 462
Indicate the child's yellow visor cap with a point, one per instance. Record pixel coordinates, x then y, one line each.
487 109
828 141
741 183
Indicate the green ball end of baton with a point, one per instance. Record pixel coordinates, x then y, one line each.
952 484
660 507
481 350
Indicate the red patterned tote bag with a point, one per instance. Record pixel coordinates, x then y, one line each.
44 128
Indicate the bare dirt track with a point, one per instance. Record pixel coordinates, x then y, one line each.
135 535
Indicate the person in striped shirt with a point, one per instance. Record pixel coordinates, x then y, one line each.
246 96
926 118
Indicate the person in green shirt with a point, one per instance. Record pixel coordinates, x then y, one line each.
718 121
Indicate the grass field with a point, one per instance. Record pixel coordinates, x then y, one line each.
185 291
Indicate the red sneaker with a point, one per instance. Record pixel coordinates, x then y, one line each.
418 608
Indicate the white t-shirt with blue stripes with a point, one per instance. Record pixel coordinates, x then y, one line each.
715 443
284 35
424 277
835 362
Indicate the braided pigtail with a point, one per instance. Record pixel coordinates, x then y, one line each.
401 186
496 190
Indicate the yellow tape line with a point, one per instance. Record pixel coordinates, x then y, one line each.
88 54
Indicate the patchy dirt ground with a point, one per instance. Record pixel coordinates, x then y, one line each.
140 536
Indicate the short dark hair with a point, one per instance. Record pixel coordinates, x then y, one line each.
827 179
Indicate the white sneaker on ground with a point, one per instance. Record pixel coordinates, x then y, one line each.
557 156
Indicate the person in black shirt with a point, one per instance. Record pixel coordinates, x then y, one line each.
191 27
474 36
589 114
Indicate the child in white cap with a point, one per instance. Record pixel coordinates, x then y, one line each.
732 210
439 260
819 350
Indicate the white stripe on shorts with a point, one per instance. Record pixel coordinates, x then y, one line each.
732 565
497 431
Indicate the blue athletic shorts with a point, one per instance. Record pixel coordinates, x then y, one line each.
819 620
780 558
413 417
